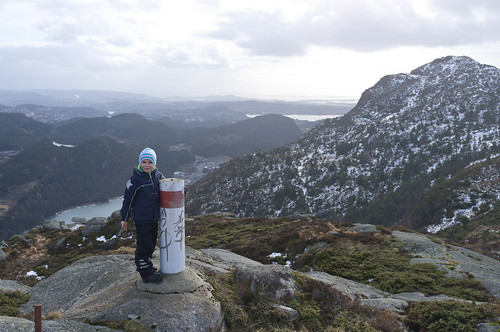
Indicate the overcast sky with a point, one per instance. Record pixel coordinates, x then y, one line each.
288 49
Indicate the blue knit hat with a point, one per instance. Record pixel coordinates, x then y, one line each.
148 153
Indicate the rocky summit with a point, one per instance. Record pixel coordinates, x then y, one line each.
293 286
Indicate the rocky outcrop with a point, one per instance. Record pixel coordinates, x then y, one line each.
364 228
457 261
107 288
275 281
53 224
13 286
94 225
13 324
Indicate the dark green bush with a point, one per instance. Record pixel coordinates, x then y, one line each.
11 301
449 316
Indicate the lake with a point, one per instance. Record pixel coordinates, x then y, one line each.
90 211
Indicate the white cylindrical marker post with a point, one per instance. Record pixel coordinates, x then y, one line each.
172 234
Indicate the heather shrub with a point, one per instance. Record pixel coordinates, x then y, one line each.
449 316
11 301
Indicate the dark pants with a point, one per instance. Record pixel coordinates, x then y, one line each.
147 235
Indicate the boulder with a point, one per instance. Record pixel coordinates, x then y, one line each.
364 228
94 225
78 220
217 261
54 224
396 305
13 286
487 327
69 286
14 324
291 313
60 243
103 288
350 288
275 281
419 297
115 214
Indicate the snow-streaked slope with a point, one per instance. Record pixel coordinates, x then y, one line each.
404 126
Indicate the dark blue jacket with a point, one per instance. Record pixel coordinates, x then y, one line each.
141 199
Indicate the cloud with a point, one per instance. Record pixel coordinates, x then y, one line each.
261 34
363 26
196 47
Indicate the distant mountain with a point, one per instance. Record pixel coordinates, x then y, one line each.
265 133
69 98
53 106
207 116
405 133
52 114
18 131
79 131
44 179
312 107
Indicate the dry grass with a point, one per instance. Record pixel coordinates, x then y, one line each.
54 315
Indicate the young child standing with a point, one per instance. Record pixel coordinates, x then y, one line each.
141 202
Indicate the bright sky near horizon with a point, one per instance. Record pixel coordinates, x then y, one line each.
284 49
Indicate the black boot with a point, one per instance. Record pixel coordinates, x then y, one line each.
154 278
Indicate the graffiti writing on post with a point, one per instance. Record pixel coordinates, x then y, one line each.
176 229
165 238
179 230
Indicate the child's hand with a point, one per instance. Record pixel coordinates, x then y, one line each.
124 225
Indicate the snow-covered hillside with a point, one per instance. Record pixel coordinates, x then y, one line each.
419 126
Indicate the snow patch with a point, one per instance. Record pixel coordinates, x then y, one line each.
33 274
65 145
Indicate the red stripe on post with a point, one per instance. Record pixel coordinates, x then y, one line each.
171 199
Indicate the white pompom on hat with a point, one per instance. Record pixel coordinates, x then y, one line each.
148 153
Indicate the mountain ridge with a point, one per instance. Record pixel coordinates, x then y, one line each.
43 178
406 127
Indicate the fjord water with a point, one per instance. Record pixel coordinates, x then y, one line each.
90 211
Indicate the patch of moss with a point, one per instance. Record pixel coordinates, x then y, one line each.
449 316
11 301
354 263
384 229
389 269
